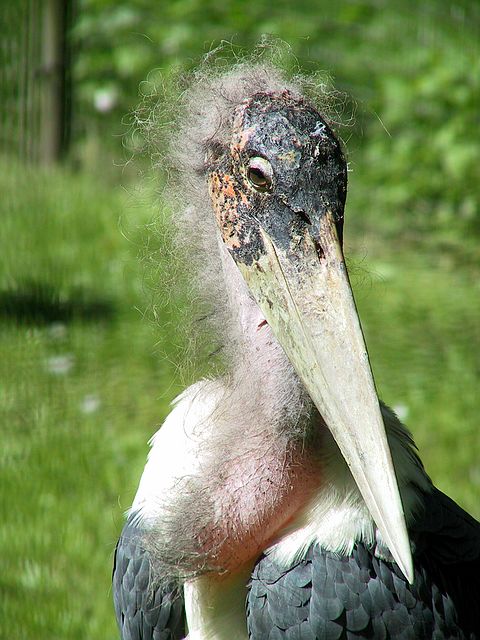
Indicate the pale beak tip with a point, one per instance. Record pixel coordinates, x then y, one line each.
407 568
399 546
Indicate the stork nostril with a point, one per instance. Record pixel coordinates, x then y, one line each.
304 216
319 249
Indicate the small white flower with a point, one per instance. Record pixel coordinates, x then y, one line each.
57 331
90 404
104 100
60 365
402 411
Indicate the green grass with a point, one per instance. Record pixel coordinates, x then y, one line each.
73 443
85 381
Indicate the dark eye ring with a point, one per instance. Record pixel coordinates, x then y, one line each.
260 174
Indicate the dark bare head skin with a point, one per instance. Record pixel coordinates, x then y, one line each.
283 169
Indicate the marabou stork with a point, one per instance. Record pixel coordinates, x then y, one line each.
282 500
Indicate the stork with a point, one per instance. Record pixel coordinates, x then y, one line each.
282 500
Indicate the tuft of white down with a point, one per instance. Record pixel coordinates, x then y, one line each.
174 454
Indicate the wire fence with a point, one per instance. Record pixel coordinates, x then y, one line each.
34 79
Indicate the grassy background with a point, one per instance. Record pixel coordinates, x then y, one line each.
83 386
86 377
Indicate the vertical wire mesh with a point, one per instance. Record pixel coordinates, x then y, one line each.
32 79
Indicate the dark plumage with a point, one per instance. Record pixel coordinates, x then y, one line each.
327 595
143 612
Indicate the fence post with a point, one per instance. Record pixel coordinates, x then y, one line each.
53 125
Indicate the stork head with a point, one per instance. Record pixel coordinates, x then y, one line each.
284 169
278 188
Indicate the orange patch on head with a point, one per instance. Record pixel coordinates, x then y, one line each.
228 189
225 201
242 139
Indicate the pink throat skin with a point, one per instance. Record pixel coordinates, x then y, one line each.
260 495
265 476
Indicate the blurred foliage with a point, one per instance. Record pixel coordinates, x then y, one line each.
411 71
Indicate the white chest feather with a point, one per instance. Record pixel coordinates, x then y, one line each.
175 453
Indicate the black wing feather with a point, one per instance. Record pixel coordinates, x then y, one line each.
447 549
329 596
143 613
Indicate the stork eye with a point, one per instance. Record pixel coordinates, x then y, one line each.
260 174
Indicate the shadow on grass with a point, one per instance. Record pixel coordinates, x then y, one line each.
32 302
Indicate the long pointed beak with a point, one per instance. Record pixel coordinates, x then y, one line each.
307 300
